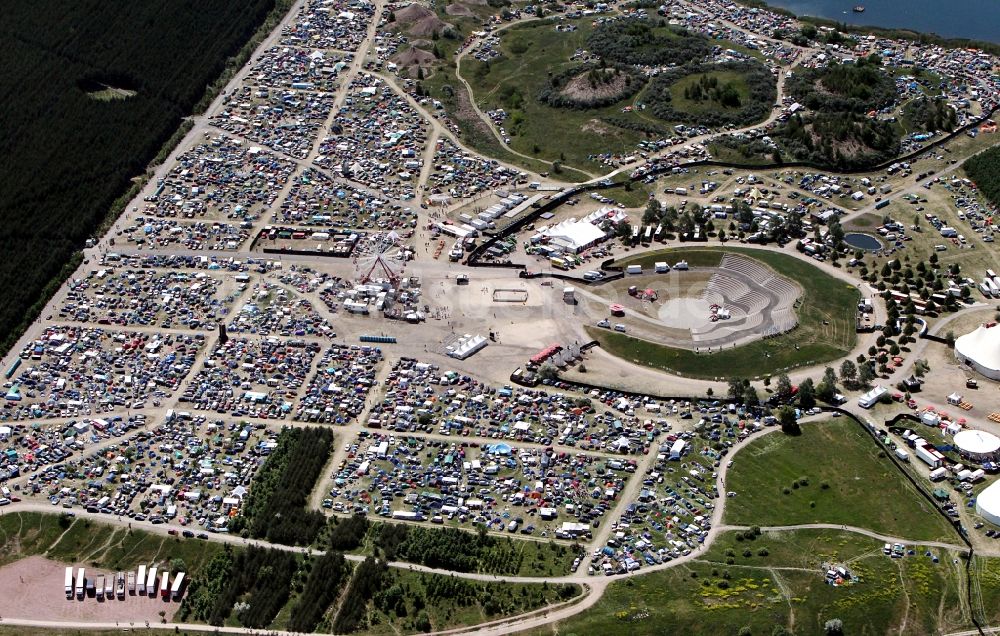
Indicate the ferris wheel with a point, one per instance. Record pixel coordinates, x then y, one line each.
379 256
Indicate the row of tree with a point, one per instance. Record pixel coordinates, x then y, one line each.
366 582
347 534
276 506
449 549
253 582
326 579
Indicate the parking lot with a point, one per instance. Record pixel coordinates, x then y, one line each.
85 371
148 298
258 377
221 178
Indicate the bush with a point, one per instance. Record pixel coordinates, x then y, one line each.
855 88
761 84
634 42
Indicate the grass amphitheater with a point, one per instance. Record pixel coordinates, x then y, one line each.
735 302
777 319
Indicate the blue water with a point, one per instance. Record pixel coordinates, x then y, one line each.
974 19
863 241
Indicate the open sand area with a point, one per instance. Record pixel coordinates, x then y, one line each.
33 588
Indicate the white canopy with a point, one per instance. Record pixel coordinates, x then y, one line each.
981 350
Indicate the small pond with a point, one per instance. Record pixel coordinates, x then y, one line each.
863 241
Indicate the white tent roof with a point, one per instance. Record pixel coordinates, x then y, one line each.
977 442
982 345
574 234
988 503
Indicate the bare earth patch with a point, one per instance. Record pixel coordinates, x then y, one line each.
596 126
458 9
580 88
33 588
421 22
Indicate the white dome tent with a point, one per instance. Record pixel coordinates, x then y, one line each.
977 444
988 504
981 350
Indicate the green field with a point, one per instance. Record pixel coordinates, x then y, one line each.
825 331
512 82
784 588
681 102
449 602
848 480
79 540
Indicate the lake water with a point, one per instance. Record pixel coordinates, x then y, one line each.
974 19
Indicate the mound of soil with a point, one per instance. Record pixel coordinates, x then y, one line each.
412 13
458 9
414 57
580 89
420 21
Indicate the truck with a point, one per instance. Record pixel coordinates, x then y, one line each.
120 585
633 269
109 587
151 581
141 580
902 455
178 587
165 585
99 587
81 578
69 583
131 583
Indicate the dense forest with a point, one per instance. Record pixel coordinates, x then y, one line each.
65 156
451 549
984 170
647 43
327 577
760 82
855 88
276 507
839 140
254 583
931 115
365 583
348 533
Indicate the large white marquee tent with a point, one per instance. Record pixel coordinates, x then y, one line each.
981 350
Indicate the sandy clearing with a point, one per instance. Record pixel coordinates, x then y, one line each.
33 589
